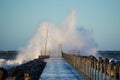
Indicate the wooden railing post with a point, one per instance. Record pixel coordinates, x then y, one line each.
79 63
109 71
106 61
115 72
119 72
89 69
101 71
86 66
95 69
98 70
80 68
92 68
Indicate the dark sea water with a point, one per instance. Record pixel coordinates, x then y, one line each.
114 55
111 55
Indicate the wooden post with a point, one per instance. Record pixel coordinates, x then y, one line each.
119 71
99 67
100 71
91 66
106 61
104 71
85 66
75 61
94 70
80 64
109 71
115 73
90 69
70 58
87 71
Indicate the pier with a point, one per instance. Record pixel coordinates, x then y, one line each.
64 66
72 64
93 68
79 67
58 69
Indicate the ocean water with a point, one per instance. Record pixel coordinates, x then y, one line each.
111 55
114 55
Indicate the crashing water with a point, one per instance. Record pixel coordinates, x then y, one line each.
70 36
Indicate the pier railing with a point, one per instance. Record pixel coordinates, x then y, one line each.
93 68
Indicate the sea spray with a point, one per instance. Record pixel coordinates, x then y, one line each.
67 34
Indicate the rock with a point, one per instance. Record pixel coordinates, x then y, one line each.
34 68
3 73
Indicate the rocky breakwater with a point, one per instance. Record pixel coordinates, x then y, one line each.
27 71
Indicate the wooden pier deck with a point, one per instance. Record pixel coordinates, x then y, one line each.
58 69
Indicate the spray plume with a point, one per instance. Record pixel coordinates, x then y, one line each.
67 34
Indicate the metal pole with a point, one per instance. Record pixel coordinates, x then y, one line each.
46 40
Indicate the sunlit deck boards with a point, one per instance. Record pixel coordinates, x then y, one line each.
58 69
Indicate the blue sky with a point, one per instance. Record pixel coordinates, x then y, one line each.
19 20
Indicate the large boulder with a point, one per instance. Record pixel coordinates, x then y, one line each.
3 73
